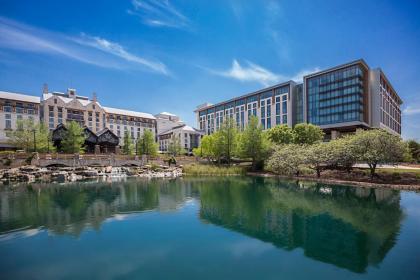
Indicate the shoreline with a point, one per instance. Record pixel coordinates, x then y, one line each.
414 187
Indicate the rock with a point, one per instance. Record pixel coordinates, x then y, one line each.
26 178
90 173
60 176
108 169
73 177
29 168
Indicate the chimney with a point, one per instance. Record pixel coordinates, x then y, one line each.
94 98
45 88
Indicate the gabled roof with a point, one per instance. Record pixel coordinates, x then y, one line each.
184 128
82 99
168 114
20 97
128 113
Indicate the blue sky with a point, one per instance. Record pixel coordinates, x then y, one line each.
155 56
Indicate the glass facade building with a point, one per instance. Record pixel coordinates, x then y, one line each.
340 99
336 96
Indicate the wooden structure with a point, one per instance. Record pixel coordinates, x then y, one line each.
105 141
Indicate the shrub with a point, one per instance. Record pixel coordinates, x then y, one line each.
287 159
204 169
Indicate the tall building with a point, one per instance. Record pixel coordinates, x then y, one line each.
60 108
14 107
339 100
55 109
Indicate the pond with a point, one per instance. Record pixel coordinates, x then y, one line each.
208 228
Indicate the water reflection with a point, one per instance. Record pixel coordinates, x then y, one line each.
348 227
69 209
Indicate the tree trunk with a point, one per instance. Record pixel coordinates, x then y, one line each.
372 168
318 172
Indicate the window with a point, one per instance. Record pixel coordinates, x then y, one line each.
8 124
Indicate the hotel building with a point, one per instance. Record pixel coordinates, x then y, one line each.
55 109
340 100
60 108
14 107
188 136
170 126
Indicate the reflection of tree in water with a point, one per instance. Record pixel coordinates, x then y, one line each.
69 209
345 226
348 227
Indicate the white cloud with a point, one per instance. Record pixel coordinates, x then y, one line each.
255 73
159 13
410 110
90 50
119 51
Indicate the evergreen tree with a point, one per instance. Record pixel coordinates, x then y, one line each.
253 143
227 139
73 139
146 144
127 147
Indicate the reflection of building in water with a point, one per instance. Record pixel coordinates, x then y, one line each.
348 227
70 209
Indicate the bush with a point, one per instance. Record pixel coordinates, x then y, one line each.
204 169
287 159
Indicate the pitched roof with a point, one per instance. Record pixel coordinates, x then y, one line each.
19 97
117 111
168 114
184 127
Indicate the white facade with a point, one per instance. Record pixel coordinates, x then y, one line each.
15 106
188 136
166 121
272 106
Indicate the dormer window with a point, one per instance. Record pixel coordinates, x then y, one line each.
55 100
93 106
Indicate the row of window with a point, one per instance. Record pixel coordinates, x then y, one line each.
335 76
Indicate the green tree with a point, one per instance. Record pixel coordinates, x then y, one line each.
377 146
74 138
226 139
253 142
281 134
414 147
128 147
287 159
319 156
23 136
206 148
307 134
175 147
43 139
146 144
344 153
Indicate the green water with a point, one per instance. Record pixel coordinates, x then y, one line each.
208 228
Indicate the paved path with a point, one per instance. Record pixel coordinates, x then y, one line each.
363 165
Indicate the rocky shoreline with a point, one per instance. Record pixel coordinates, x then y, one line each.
70 174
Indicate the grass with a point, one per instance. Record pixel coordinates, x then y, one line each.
397 170
207 169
